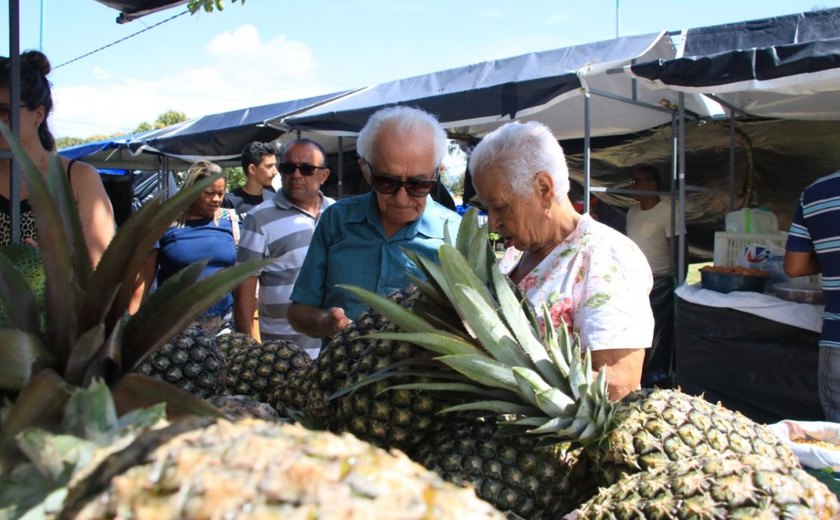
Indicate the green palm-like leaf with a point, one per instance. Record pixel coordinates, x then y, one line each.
62 292
491 332
171 314
135 391
18 302
402 317
496 407
112 283
39 404
525 335
483 370
438 342
19 350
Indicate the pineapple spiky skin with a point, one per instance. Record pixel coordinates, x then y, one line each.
243 407
657 426
512 473
267 470
258 370
389 419
231 343
725 486
190 361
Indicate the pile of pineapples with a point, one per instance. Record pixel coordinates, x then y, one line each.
451 373
454 372
107 415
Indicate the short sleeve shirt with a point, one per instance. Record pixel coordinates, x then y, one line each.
651 230
597 281
816 229
349 247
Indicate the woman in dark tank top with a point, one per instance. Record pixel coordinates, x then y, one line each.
95 211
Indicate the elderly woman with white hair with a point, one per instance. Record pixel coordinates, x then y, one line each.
591 277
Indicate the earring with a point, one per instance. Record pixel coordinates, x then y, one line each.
547 212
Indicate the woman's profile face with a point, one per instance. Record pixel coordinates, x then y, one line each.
210 200
519 219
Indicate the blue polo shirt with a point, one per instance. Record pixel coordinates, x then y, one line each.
816 229
349 247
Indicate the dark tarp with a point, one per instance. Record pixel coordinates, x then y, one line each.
784 67
763 369
221 137
546 86
134 9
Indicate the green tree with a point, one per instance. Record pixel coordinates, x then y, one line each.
208 5
235 177
169 118
145 126
66 142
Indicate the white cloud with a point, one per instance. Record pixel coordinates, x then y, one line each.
238 70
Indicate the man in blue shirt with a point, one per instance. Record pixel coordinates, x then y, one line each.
359 240
813 247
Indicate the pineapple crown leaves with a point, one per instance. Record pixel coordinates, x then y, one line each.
18 300
89 423
546 385
86 335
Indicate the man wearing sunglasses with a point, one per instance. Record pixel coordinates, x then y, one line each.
360 240
281 228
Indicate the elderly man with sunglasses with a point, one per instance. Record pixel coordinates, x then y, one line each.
360 240
281 228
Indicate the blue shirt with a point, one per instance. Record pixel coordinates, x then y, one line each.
349 247
816 229
199 239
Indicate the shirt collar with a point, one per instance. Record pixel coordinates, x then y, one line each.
431 227
282 202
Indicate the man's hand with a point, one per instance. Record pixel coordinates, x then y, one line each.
317 322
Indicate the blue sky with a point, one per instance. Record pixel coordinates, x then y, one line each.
274 50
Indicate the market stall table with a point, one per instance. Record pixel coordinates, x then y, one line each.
753 352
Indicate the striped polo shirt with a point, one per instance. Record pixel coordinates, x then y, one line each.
281 230
816 228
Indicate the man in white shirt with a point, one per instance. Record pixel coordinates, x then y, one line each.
649 226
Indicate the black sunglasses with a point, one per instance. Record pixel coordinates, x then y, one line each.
388 185
306 169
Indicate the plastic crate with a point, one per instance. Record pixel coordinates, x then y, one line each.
730 246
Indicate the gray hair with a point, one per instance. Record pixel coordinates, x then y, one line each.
404 119
516 152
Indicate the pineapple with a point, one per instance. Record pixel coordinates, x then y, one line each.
233 342
725 486
543 386
509 472
191 360
90 430
256 371
85 334
335 392
264 470
30 265
243 407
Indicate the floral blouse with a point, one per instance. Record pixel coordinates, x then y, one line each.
597 281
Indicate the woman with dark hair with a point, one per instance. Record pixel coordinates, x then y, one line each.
36 103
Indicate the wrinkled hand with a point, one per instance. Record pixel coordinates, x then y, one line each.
337 320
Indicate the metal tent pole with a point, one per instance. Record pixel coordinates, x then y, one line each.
14 118
673 192
340 166
732 145
587 128
681 184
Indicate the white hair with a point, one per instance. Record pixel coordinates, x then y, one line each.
515 152
404 120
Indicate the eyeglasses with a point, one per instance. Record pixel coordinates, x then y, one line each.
306 169
6 110
388 185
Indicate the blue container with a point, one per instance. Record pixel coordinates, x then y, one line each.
726 283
